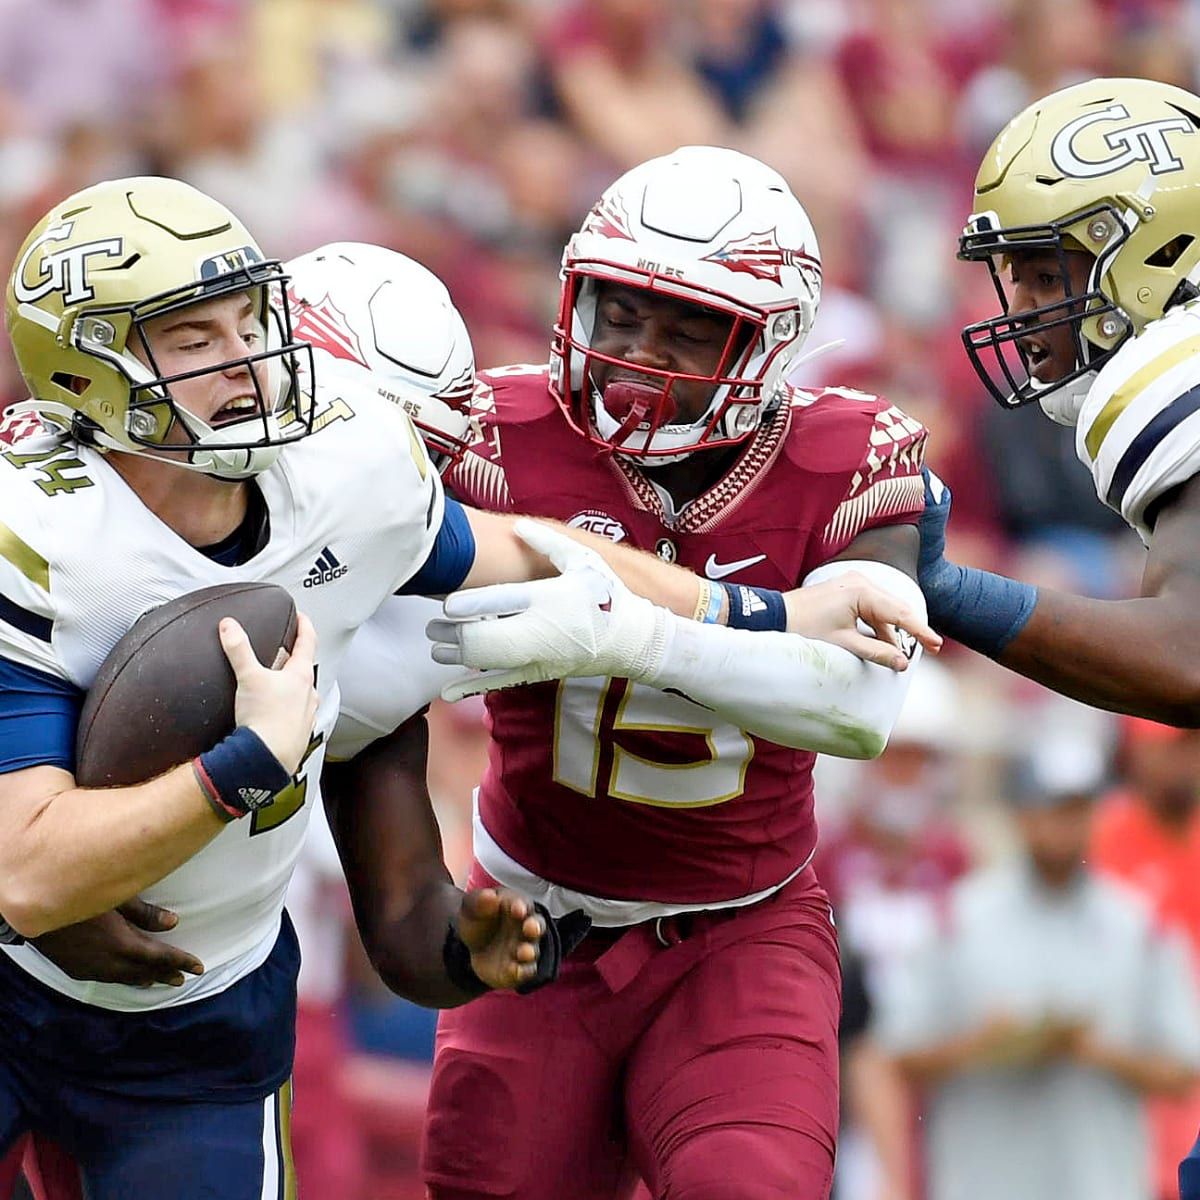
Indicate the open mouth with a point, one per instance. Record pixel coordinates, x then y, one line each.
1038 359
235 410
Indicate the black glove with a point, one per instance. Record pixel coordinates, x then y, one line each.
562 935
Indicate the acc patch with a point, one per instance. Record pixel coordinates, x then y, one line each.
595 521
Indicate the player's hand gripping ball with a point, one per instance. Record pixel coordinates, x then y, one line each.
165 692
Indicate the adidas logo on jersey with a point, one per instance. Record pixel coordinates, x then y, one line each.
326 569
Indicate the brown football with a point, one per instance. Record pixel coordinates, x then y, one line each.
165 692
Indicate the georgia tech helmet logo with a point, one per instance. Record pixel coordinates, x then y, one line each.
1146 142
61 270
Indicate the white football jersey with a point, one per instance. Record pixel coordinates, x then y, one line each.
1139 427
388 674
354 511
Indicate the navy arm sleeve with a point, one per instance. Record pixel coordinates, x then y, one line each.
452 556
38 716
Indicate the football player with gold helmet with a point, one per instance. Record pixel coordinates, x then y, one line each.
156 341
180 451
1085 213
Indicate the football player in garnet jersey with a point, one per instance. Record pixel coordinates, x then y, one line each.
691 1036
1084 212
178 451
454 947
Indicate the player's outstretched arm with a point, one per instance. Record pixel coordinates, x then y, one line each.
793 690
428 940
69 853
502 555
1139 656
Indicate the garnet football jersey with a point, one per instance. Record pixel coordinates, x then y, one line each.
613 789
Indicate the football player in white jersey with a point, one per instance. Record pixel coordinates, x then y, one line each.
1086 213
156 342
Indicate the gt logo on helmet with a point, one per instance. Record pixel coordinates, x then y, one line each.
1146 143
61 270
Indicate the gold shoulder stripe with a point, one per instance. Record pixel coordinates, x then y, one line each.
417 447
1133 387
25 558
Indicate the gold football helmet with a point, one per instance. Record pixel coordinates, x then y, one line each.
89 276
1110 167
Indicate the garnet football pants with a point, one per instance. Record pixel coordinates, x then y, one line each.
708 1066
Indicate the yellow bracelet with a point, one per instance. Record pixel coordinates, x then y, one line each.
703 600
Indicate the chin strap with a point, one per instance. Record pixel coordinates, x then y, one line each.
1064 404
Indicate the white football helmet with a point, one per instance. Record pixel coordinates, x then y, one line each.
375 315
712 227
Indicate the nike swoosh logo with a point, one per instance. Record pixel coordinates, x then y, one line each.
716 570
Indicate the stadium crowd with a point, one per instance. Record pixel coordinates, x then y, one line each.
472 135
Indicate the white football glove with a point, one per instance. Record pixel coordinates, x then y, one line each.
584 621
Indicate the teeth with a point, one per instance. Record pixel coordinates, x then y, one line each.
242 404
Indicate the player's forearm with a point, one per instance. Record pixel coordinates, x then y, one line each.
791 690
73 853
672 587
406 946
501 556
1137 656
388 841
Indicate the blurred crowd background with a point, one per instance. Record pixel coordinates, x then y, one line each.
473 135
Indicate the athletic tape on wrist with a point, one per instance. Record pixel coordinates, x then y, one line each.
755 608
240 774
982 611
456 958
562 935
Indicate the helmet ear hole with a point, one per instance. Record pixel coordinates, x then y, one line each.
1168 254
75 384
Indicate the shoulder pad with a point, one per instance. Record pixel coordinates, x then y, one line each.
1139 428
844 429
